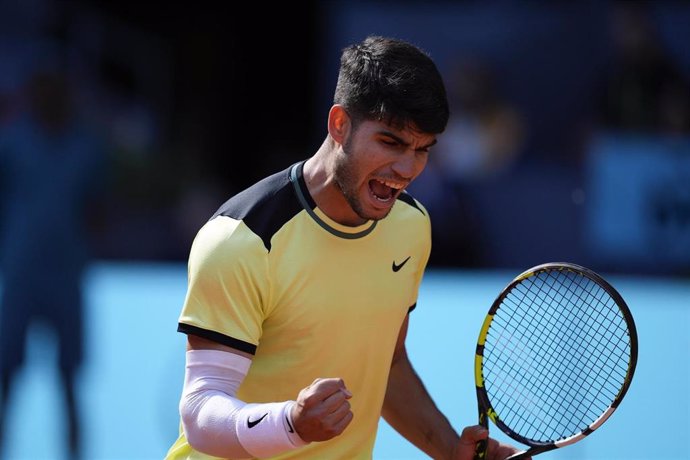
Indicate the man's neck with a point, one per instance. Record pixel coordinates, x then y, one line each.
318 174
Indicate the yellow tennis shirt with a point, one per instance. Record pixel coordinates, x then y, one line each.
272 275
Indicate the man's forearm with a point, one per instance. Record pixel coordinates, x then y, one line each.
409 409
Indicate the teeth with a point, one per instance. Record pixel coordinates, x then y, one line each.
390 184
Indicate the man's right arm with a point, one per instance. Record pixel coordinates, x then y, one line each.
217 423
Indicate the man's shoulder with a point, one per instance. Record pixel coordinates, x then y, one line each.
409 217
411 203
408 210
265 206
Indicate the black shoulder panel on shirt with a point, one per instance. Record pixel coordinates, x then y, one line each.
407 198
265 206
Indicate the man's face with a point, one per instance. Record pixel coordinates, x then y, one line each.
376 163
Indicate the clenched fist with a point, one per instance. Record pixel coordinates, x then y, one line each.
322 411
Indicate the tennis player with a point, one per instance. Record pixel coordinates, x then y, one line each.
301 287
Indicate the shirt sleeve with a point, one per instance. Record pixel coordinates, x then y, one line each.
227 289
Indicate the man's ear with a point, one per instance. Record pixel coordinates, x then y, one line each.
338 123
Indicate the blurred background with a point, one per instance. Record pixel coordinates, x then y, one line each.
124 125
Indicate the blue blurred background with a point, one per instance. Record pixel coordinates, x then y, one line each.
569 140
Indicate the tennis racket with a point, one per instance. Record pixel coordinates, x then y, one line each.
555 357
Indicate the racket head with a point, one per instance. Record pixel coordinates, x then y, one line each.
555 356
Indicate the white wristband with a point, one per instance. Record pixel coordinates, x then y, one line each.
266 429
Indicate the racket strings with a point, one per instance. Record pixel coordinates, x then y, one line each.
597 400
554 359
557 346
558 386
583 334
561 355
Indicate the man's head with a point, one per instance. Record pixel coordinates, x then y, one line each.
390 103
393 81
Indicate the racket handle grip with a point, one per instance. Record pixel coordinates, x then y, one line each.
480 449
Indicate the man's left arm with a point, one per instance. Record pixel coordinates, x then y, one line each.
410 410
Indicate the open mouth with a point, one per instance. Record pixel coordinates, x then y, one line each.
384 191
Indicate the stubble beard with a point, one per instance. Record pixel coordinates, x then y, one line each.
345 178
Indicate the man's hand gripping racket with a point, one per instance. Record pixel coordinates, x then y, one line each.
555 357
